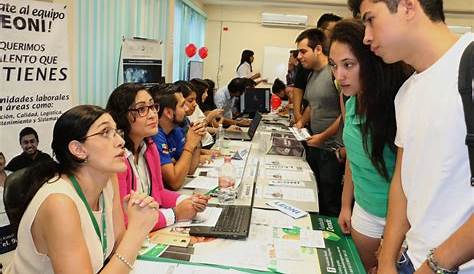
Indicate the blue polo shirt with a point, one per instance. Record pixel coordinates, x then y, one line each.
170 146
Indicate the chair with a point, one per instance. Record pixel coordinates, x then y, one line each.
16 187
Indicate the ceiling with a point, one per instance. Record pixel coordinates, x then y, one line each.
292 3
465 7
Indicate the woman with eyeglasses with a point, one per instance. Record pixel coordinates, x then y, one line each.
71 218
132 106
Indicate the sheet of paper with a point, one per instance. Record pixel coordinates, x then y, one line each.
245 254
312 238
287 175
168 237
281 166
199 269
271 218
208 217
301 134
200 182
287 249
286 183
289 193
148 267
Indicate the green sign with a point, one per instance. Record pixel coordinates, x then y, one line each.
340 255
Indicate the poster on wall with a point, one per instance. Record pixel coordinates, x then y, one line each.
142 61
35 79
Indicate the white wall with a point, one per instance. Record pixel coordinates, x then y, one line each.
245 31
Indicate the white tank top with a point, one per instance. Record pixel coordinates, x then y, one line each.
27 260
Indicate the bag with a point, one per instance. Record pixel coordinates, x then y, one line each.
466 89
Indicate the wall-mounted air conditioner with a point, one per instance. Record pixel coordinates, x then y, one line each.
284 20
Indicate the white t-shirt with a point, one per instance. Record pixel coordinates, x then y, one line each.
435 165
198 115
223 100
244 70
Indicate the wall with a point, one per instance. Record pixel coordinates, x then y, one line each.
245 31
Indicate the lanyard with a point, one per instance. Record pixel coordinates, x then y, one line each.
103 237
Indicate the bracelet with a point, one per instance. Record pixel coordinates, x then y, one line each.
188 150
123 260
435 267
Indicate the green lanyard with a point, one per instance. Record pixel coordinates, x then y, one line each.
103 238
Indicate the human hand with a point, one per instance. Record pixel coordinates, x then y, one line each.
344 220
142 212
200 201
244 122
195 133
315 140
185 211
299 124
387 269
424 269
216 113
234 128
205 159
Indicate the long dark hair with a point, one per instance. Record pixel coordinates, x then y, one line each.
71 125
379 85
118 105
209 104
246 55
200 86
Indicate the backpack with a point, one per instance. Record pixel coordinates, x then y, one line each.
466 89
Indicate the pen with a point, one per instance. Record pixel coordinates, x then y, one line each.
212 190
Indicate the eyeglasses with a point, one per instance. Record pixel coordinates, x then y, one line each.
109 133
144 110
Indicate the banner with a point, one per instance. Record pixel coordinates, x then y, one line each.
340 255
35 82
142 61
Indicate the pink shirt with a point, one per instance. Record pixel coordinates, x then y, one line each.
128 181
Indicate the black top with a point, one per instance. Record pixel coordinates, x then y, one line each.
23 160
301 77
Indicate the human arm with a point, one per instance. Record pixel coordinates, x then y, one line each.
118 214
304 119
195 160
397 223
456 250
297 103
345 215
175 173
318 139
57 228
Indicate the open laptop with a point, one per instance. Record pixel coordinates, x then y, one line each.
245 136
234 221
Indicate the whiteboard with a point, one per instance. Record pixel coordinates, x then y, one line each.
275 63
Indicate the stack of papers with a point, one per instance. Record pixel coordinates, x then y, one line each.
301 134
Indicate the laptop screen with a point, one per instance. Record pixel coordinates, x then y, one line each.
254 124
255 99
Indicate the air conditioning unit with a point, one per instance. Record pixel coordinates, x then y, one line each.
284 20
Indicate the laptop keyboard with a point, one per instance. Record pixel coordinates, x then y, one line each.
231 219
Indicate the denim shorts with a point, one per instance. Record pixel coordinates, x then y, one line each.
404 265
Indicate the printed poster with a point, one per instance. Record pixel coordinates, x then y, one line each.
35 78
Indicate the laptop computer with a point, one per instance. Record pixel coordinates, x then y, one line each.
245 136
234 221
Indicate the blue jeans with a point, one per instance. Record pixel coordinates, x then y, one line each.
404 265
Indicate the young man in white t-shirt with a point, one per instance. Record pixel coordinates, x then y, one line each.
431 200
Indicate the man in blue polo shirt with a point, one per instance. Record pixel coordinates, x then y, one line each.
179 152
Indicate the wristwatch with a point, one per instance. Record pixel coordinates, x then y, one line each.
435 267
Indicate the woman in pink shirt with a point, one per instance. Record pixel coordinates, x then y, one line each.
135 112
